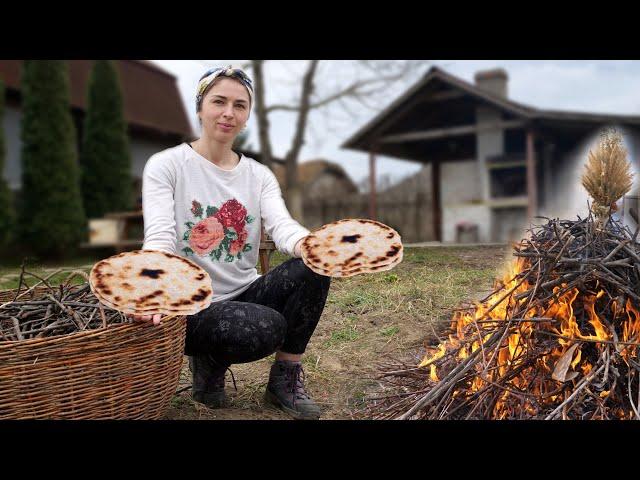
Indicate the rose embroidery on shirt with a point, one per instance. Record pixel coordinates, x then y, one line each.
221 232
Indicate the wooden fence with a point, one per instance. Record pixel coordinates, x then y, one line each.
412 217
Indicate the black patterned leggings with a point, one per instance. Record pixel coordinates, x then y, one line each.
279 311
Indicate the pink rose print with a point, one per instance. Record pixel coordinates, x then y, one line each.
238 244
206 236
221 234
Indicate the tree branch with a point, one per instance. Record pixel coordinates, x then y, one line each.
262 114
291 158
353 90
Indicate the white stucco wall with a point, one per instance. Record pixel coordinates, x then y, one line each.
141 151
461 196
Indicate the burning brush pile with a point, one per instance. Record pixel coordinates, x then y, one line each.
558 337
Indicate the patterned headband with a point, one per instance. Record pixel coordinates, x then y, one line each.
230 72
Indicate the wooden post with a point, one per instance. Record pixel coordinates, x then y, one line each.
419 212
437 207
532 187
372 185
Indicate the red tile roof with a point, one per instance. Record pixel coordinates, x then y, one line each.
150 94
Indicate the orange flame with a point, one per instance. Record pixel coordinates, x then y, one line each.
467 336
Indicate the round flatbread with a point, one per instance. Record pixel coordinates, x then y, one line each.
352 246
147 282
141 311
357 270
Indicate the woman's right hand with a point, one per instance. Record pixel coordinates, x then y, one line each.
155 319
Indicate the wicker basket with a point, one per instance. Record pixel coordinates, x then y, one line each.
127 371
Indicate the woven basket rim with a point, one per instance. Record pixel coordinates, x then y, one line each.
86 333
83 333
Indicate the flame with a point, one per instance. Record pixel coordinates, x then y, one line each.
574 319
630 331
442 350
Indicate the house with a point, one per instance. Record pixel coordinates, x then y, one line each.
494 163
318 179
154 112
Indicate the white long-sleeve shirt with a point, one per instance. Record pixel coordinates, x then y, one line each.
213 216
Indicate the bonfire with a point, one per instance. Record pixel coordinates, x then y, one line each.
557 338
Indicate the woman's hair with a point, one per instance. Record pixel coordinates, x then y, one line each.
213 76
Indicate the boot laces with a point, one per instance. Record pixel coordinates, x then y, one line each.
296 382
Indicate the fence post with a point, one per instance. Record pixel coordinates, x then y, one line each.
419 205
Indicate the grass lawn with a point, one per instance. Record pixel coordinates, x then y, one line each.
366 318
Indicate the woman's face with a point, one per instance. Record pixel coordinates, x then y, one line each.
224 110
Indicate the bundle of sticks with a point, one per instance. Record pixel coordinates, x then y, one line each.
57 310
557 338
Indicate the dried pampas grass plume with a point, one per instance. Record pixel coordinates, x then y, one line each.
607 174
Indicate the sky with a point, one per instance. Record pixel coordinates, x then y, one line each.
575 85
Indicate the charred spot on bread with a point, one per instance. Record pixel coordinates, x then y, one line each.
201 295
191 265
200 276
378 267
117 299
147 272
127 286
352 258
351 238
390 235
332 253
106 291
393 250
326 264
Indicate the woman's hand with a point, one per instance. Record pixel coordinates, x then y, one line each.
155 319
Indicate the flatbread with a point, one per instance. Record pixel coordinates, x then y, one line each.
147 282
152 305
357 270
352 246
141 311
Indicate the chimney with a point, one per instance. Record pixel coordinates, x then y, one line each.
493 81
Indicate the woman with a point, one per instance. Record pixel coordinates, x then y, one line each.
208 203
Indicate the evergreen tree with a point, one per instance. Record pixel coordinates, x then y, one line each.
7 217
51 215
105 158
